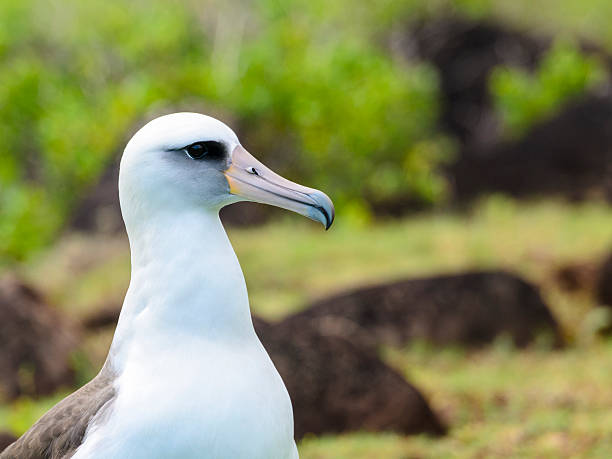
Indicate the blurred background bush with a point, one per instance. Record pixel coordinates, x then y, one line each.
300 76
452 135
325 92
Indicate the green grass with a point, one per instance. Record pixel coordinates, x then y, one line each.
291 262
499 403
21 414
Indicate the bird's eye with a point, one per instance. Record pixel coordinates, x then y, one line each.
208 150
197 150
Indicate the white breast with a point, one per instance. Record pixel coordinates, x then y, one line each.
210 400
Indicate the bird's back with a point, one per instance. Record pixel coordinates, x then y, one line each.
59 432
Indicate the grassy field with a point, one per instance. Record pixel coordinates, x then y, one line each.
291 262
498 401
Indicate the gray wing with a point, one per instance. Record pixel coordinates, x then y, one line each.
60 431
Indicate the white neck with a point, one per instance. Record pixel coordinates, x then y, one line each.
186 282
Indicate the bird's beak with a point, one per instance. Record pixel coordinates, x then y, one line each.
251 180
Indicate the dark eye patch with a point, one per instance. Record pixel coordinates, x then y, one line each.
205 150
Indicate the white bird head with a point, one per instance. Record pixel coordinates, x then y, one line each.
190 161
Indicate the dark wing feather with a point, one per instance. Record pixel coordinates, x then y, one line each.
60 431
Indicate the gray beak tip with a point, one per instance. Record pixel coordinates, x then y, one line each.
325 208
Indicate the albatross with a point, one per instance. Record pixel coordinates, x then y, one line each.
186 375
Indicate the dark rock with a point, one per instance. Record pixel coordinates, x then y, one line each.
470 309
261 326
35 343
243 214
569 155
102 317
337 387
578 276
99 209
604 283
6 439
465 53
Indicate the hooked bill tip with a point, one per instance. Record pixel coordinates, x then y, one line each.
325 207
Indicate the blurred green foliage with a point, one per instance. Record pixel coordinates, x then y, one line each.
310 88
313 87
523 98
